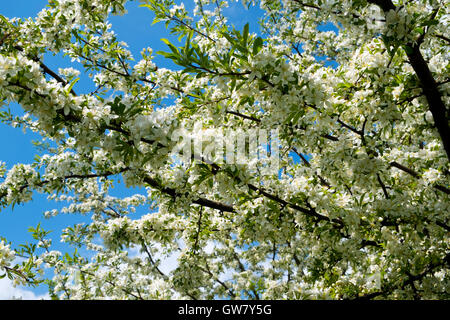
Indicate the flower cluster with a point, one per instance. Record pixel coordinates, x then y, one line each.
348 99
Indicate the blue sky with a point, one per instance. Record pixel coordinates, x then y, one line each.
16 146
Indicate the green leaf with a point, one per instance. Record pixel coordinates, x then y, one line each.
188 42
2 17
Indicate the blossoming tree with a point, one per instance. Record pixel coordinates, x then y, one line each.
359 207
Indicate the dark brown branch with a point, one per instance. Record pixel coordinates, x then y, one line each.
308 211
243 116
174 18
343 124
405 169
200 201
199 226
19 273
47 70
416 175
306 162
152 262
443 225
223 284
386 5
431 92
